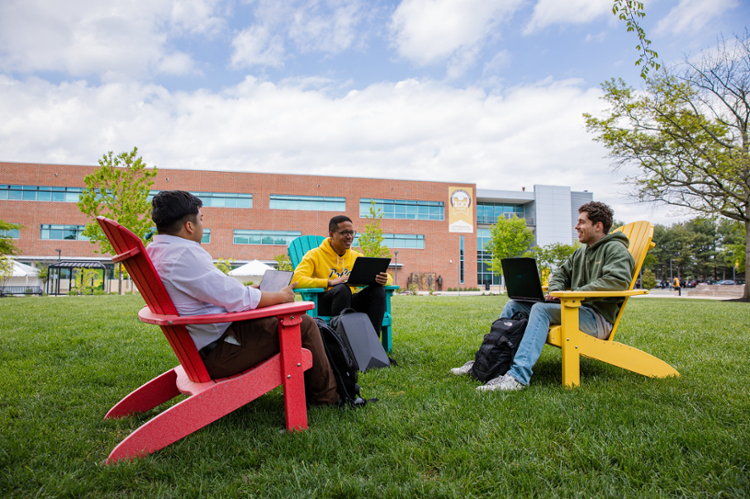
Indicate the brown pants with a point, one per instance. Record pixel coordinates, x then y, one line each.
258 340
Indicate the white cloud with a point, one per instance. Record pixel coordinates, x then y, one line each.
692 15
329 27
548 12
112 39
410 129
316 30
433 31
256 45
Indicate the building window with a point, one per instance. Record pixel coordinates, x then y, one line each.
461 260
307 203
399 241
484 259
206 236
11 233
219 199
40 193
402 209
488 213
62 232
265 237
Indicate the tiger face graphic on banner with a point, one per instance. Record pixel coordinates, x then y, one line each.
461 209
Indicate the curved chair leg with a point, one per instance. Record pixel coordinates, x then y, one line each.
147 396
209 402
625 357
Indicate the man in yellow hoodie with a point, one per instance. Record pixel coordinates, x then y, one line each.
328 266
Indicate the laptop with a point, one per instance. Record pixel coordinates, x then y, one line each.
275 280
366 268
522 279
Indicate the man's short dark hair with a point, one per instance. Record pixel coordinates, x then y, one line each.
598 212
171 209
333 225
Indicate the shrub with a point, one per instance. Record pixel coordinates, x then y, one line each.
649 279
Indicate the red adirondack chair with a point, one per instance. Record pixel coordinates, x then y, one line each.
210 399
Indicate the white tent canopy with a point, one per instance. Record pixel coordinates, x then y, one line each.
23 270
254 268
24 275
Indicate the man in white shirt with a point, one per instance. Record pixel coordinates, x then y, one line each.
197 287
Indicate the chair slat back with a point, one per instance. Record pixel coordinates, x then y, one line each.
130 251
299 247
640 235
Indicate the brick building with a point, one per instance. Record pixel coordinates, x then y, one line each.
254 215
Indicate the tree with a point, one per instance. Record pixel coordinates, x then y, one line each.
119 190
731 238
283 262
630 11
225 265
508 238
371 239
552 256
649 280
7 247
43 273
687 134
6 269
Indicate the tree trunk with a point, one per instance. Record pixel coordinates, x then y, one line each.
746 295
119 279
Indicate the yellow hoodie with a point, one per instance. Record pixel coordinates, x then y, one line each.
322 263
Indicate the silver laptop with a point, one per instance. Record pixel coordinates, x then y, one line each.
275 280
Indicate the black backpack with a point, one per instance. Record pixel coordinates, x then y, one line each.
495 356
342 364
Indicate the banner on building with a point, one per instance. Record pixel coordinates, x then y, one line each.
460 209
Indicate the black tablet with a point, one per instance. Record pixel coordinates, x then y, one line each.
276 280
366 268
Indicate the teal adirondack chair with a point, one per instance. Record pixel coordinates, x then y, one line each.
297 249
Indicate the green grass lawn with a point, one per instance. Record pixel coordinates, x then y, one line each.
65 361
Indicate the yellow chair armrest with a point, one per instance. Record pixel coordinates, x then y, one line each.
597 294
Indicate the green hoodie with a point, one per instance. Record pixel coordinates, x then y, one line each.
604 266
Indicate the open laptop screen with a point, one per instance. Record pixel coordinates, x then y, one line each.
522 279
275 280
365 269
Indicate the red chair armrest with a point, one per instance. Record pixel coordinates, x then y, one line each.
145 315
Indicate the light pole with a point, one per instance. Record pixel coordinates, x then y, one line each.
59 251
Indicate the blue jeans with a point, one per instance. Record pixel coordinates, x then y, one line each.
541 315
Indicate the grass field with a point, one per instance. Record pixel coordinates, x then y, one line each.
65 361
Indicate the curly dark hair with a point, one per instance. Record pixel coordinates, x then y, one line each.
598 212
171 209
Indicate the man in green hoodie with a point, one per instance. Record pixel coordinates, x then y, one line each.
603 263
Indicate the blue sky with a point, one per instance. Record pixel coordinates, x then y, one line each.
484 91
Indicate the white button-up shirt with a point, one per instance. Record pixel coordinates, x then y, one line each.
197 287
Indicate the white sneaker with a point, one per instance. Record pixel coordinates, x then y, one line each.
504 383
464 369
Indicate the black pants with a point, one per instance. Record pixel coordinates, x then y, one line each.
370 300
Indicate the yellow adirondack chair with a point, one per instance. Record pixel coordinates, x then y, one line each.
575 343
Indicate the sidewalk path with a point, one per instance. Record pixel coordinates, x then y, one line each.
654 293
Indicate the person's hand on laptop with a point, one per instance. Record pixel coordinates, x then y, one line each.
338 280
288 293
268 298
381 278
551 298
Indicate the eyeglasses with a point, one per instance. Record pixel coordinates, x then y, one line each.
346 233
